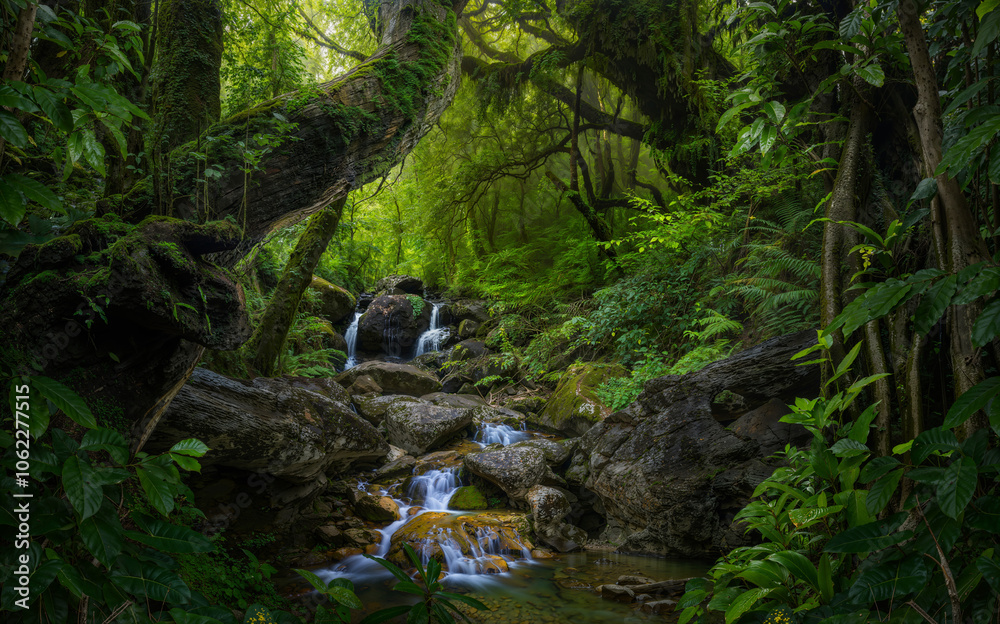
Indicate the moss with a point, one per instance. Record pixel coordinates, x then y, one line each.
468 498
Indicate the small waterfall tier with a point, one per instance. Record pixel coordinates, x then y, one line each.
351 337
434 337
492 433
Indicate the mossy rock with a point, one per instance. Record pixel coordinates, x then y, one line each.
330 301
574 407
468 498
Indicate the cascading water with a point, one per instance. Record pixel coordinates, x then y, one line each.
431 339
492 433
469 543
351 336
434 488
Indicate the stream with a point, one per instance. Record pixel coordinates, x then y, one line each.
483 553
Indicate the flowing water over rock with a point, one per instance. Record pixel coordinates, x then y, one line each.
351 337
434 337
488 553
493 433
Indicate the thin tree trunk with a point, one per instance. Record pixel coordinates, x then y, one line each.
17 56
268 340
962 243
882 389
841 207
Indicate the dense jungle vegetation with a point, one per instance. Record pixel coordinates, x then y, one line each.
657 183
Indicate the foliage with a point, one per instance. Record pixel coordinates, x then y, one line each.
64 116
436 605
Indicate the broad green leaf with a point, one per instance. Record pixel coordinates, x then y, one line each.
191 446
12 205
314 580
65 399
103 535
81 488
93 151
989 30
846 447
798 565
959 484
985 283
53 106
11 130
35 191
987 326
890 580
154 582
824 577
862 425
169 537
418 614
851 24
159 494
990 571
11 98
933 304
391 567
103 439
867 538
926 189
187 463
966 95
881 492
807 516
985 7
872 74
878 467
344 597
767 138
937 439
744 602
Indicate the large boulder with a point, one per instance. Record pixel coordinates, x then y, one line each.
393 378
330 301
515 469
549 508
764 425
574 407
469 309
373 407
667 473
419 427
268 425
392 324
404 284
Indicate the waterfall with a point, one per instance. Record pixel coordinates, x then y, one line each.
352 342
431 339
491 433
434 488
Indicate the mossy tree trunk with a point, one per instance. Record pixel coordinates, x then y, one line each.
318 144
265 347
185 79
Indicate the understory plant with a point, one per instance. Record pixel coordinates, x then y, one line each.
847 537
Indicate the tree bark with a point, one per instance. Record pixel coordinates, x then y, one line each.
17 55
268 340
836 240
962 244
343 134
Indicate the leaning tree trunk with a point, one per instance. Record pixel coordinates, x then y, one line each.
962 244
162 300
17 55
298 153
269 338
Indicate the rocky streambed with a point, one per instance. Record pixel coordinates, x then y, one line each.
317 472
